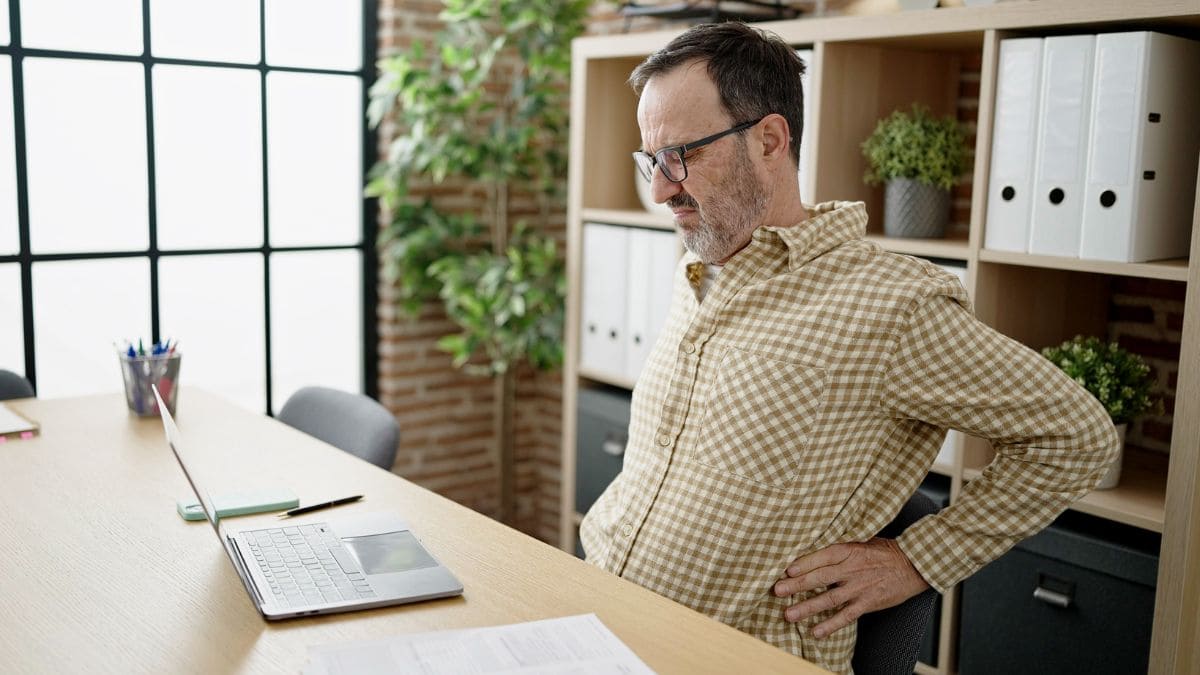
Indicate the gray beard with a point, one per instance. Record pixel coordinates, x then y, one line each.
711 244
726 223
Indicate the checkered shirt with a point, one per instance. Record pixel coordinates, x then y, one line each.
803 401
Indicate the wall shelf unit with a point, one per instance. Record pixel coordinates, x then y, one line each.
638 217
863 67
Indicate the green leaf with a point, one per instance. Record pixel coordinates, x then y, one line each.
1114 376
459 121
915 145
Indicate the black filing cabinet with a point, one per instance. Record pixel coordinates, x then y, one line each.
1076 598
937 488
601 433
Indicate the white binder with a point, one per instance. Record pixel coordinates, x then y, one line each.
1145 138
652 259
605 279
1060 167
1014 141
806 55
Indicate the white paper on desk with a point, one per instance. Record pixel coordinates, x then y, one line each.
11 422
575 644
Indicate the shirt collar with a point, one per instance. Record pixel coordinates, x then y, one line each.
829 225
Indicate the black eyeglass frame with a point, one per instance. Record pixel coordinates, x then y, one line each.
647 163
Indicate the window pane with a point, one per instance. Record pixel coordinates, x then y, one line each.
208 157
213 305
314 148
9 243
81 308
213 30
85 128
314 34
12 327
316 322
5 37
107 26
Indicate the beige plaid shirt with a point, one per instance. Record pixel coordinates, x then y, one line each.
803 401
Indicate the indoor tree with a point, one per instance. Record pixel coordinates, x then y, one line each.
485 104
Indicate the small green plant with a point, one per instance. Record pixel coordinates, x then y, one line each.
1118 379
915 145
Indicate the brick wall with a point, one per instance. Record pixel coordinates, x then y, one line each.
1145 316
446 417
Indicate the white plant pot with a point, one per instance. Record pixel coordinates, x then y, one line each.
1113 476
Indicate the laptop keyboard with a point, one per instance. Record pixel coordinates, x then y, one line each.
307 565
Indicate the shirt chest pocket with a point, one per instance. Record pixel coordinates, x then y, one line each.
758 418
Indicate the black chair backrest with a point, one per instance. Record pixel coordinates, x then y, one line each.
13 385
889 640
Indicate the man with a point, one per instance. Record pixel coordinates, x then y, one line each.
803 383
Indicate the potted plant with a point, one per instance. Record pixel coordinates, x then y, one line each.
920 158
1117 378
487 109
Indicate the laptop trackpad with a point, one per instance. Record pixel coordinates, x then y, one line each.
387 553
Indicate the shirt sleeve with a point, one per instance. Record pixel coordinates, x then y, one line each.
1052 438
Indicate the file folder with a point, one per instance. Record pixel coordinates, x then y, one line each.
1014 142
605 278
1062 148
652 262
1145 139
803 171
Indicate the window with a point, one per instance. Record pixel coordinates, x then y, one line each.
193 171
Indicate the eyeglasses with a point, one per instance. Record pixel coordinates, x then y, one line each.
670 160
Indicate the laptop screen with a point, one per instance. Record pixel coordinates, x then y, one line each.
174 440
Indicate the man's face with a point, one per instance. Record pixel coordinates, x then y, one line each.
723 198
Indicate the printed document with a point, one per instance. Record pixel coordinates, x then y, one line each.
12 423
579 645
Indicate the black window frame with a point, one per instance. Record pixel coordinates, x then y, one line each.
25 258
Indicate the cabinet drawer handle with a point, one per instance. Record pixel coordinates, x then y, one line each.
1052 597
613 447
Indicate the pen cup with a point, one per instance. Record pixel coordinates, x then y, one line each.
142 371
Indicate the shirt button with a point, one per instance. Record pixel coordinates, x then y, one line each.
626 530
664 440
688 348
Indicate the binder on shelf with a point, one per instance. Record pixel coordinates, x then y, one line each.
806 55
948 454
1014 141
652 260
1145 137
605 278
1060 165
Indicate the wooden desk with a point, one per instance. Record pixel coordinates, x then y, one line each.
97 489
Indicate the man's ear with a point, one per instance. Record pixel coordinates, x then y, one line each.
775 136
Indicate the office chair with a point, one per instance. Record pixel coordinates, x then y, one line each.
888 640
13 385
351 422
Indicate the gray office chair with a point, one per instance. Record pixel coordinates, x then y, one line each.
889 640
352 422
13 385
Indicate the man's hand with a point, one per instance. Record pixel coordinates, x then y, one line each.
861 578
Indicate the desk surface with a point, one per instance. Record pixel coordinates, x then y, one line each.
96 491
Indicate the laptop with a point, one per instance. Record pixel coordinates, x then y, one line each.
345 564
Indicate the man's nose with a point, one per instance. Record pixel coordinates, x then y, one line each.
662 189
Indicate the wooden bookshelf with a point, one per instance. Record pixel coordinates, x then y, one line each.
864 67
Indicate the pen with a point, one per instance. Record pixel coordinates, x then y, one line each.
322 505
